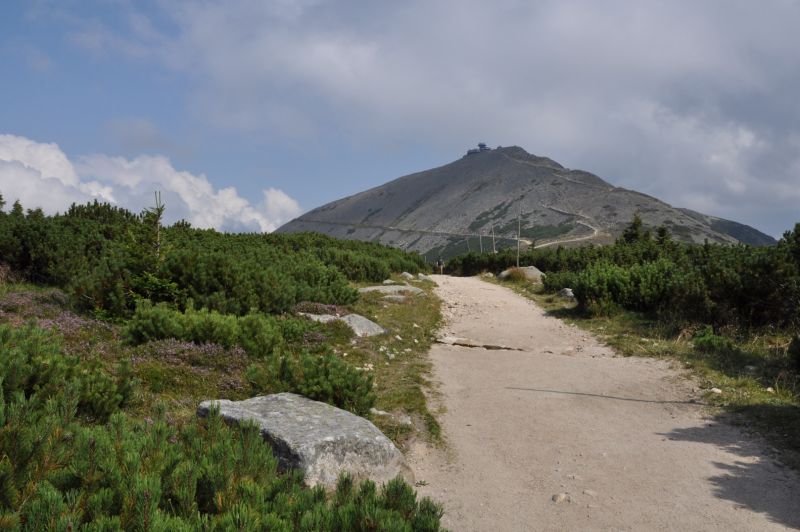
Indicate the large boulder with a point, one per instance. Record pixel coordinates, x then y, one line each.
320 440
532 273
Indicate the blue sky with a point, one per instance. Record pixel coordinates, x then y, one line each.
294 103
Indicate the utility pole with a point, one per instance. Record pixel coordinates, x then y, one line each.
519 229
480 239
494 249
468 250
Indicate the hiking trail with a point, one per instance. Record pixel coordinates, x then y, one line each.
555 432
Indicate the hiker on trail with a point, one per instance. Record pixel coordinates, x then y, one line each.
440 266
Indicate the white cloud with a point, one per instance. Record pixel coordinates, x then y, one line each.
41 175
684 100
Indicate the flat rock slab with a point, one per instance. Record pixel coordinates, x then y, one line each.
466 342
320 440
392 289
394 298
360 325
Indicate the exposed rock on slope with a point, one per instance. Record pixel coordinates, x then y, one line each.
445 210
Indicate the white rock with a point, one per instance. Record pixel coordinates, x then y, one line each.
566 293
532 273
716 391
392 289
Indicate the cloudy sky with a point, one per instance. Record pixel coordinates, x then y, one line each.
247 112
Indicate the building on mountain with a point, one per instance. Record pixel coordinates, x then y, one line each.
481 147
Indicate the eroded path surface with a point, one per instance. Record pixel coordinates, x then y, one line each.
617 438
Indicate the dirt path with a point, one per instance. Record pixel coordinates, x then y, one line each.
618 437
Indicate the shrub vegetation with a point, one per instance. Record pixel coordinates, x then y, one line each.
72 458
721 285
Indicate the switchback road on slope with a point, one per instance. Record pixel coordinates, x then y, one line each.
558 433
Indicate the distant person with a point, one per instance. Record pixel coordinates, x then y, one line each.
440 266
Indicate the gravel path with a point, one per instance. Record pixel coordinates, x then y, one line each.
559 434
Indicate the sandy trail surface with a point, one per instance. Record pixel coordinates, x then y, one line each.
618 441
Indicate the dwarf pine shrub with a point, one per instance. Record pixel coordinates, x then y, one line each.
59 474
325 378
108 258
741 286
35 368
258 334
793 353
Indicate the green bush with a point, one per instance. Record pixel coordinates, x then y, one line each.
108 258
35 368
794 354
325 378
723 285
57 474
258 334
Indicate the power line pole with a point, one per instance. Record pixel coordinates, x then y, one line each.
494 249
468 250
480 239
519 229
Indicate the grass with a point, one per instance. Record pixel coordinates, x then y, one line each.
759 391
181 374
399 360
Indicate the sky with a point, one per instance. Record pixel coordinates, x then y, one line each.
246 113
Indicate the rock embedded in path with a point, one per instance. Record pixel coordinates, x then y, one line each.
423 277
360 325
320 440
392 289
558 498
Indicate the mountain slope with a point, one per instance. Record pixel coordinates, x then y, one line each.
457 206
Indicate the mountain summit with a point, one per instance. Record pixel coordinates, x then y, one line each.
479 200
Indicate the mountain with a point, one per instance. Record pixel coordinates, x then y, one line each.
455 207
